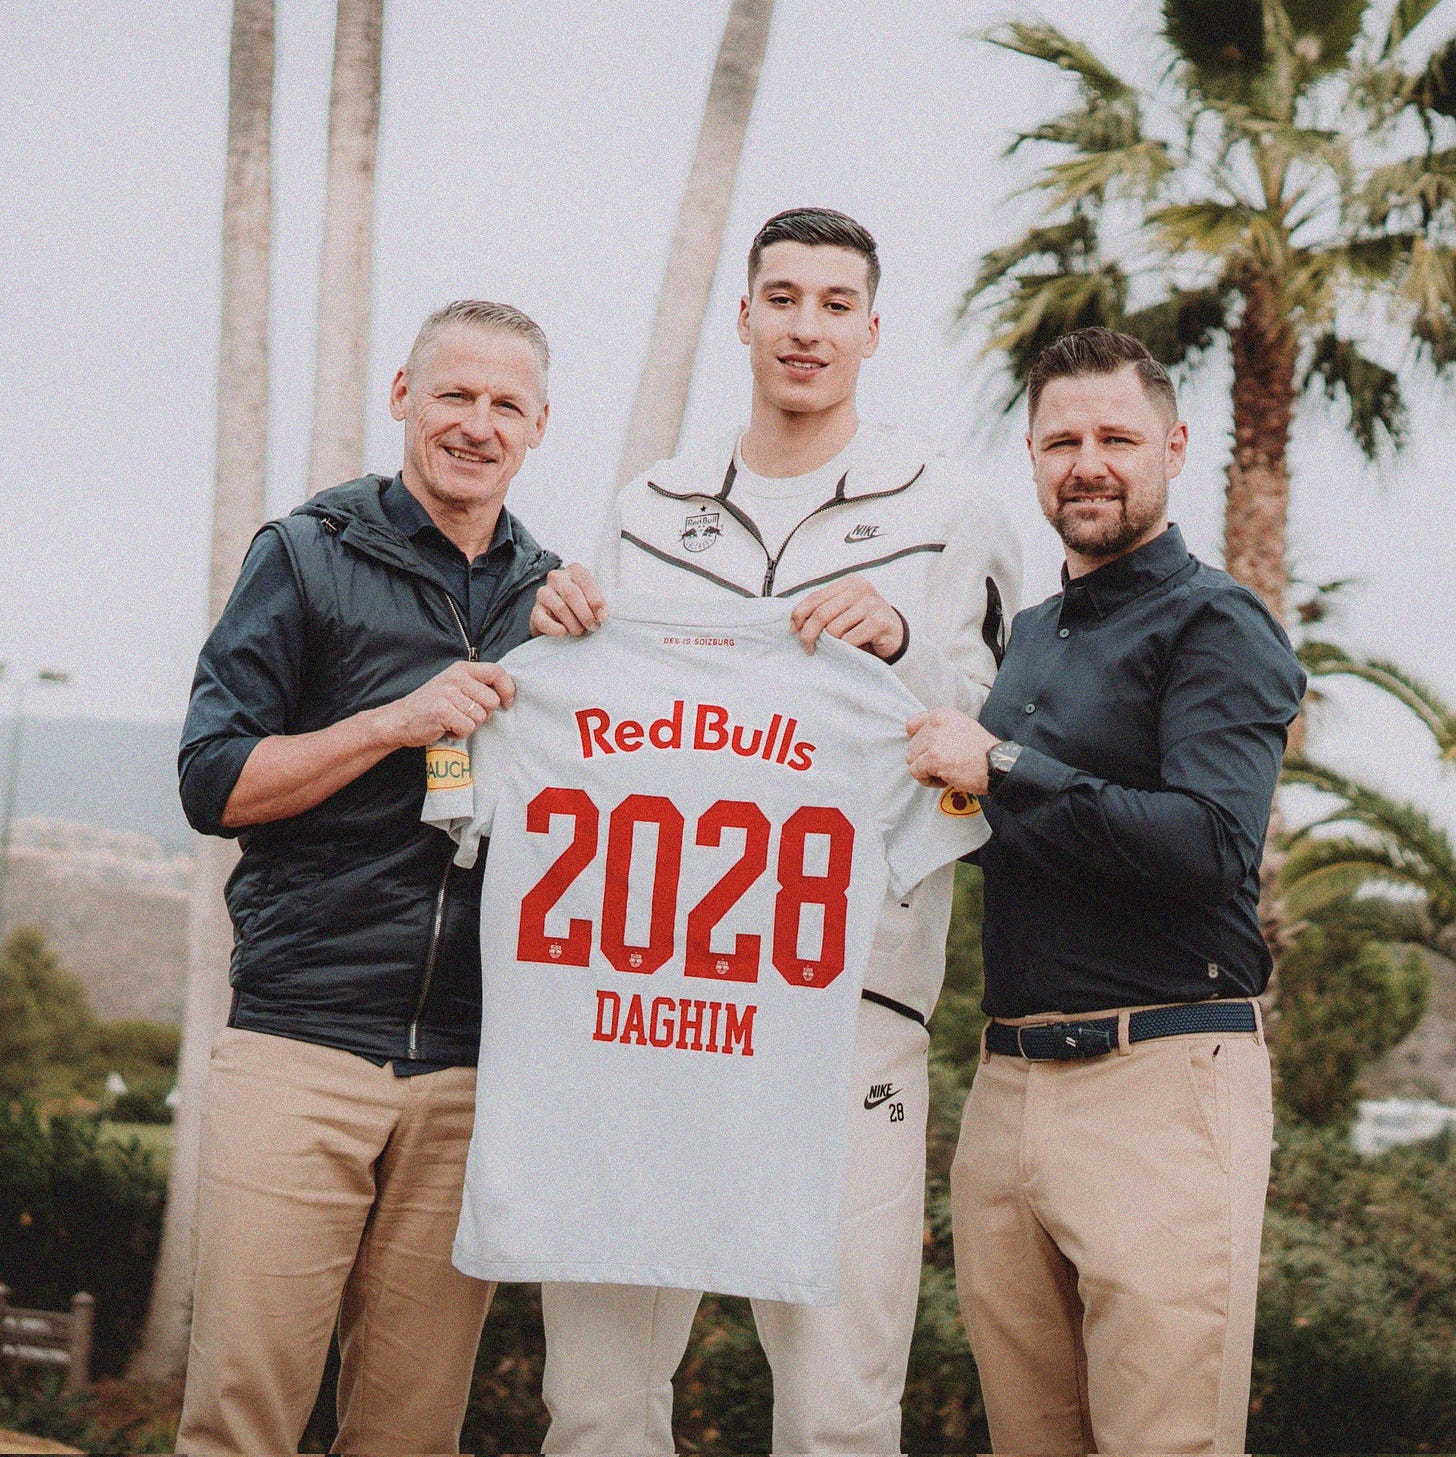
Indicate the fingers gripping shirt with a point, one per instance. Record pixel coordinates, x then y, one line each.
693 824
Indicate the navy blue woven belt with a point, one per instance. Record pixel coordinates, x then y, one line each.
1093 1036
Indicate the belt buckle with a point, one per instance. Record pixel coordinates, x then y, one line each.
1021 1047
1073 1041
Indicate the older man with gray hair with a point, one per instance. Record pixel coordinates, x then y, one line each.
363 628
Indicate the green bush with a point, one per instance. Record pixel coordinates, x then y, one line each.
79 1214
1345 998
141 1105
51 1044
1356 1342
46 1024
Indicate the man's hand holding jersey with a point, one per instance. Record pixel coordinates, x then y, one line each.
948 750
452 705
287 774
569 604
853 611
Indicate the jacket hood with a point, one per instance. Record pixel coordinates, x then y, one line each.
354 511
881 460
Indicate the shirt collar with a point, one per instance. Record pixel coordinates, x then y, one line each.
409 517
1120 581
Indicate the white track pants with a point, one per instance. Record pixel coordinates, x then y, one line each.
838 1370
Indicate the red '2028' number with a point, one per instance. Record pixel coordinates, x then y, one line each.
797 888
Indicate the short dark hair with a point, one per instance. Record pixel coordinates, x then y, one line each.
819 227
1098 351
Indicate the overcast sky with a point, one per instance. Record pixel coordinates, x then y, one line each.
537 154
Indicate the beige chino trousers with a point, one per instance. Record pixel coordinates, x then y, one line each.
1107 1215
329 1190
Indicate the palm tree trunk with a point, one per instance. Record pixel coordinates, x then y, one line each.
239 508
1256 524
336 452
667 373
1256 511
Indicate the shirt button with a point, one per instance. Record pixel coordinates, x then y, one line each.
1031 708
1065 632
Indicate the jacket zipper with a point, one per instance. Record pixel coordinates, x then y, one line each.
773 563
472 652
439 919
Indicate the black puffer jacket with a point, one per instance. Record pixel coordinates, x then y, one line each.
353 929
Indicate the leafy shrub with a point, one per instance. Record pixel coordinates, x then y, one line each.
112 1417
79 1214
141 1105
1356 1342
1345 998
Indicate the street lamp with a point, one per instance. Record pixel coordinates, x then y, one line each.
54 676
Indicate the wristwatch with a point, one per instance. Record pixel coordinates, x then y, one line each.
1000 761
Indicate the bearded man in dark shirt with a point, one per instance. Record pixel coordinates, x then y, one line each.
1108 1188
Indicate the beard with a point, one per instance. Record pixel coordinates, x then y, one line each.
1107 533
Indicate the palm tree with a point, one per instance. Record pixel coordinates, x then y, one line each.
667 372
239 509
1380 845
1388 861
1287 181
336 452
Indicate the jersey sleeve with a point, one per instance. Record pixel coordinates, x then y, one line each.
926 828
462 785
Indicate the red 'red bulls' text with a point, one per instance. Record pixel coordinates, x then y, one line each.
711 730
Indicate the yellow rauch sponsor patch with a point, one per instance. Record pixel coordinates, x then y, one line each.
447 768
958 802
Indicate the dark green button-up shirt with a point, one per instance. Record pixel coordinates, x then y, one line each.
1153 697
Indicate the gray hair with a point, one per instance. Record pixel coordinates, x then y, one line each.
504 318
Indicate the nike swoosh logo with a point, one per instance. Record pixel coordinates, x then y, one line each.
875 1102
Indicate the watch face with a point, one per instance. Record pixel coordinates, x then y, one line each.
1003 756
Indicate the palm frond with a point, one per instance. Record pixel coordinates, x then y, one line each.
1312 890
1045 306
1135 169
1182 326
1407 15
1043 42
1408 832
1377 408
1372 260
1324 659
1434 88
1426 183
1219 39
1070 245
1429 286
1325 31
1099 126
1207 227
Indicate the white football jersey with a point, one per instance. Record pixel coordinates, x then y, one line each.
693 824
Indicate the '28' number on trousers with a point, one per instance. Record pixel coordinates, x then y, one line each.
797 888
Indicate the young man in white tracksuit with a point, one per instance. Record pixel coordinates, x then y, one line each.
878 541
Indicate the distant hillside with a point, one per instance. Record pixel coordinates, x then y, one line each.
114 907
116 776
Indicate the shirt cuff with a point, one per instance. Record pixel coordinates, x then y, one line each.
904 641
210 780
1032 779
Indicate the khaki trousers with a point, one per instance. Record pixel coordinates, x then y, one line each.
1107 1216
329 1189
